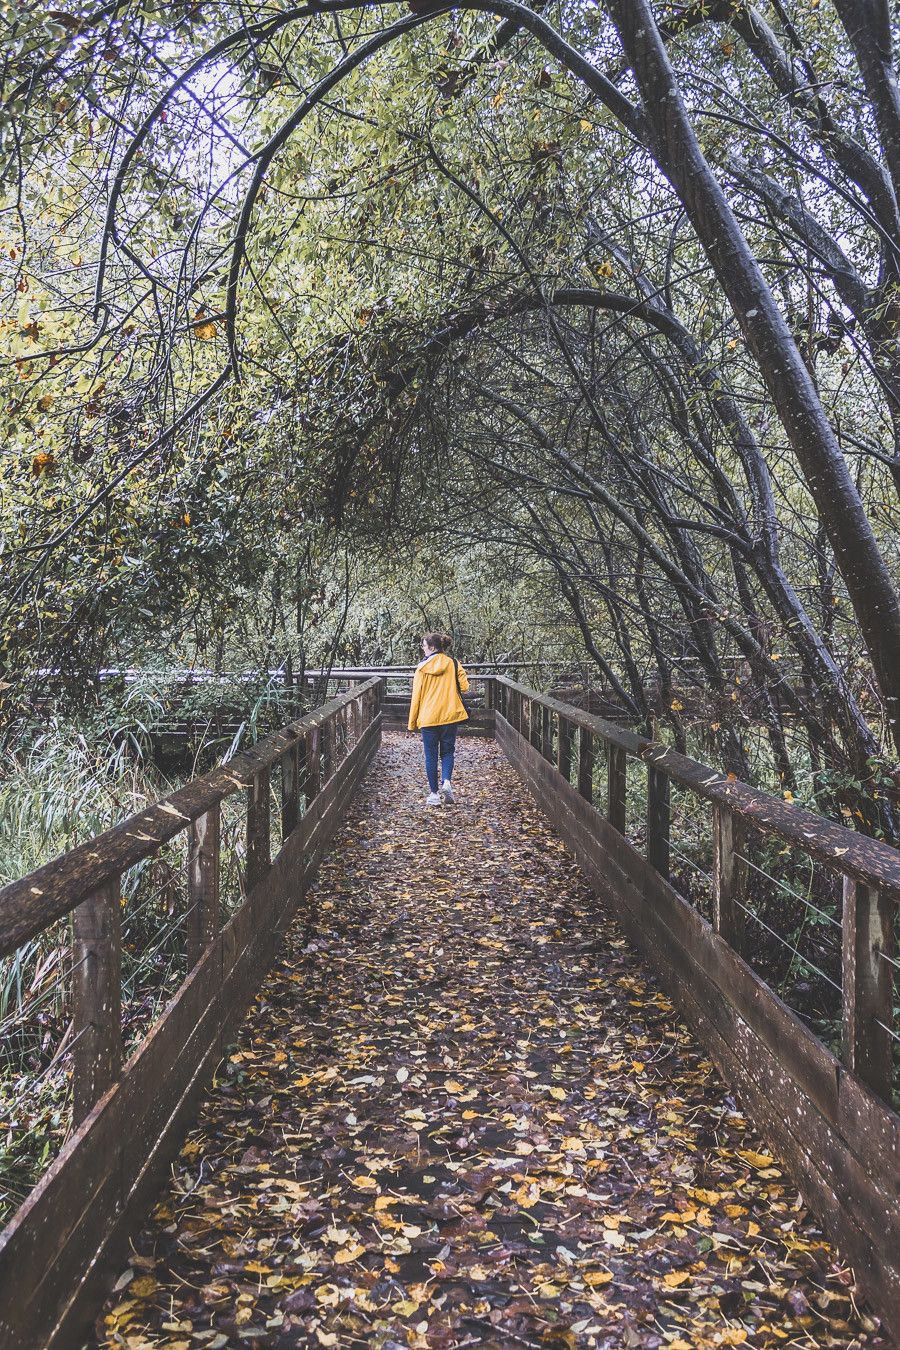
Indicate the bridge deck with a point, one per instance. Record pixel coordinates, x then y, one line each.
461 1112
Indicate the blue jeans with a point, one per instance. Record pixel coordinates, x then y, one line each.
441 738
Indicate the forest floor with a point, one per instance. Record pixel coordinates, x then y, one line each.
462 1112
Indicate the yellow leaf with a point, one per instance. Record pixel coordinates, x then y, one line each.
595 1278
675 1278
755 1159
384 1200
204 328
558 1094
585 124
347 1254
405 1307
678 1216
526 1196
143 1287
364 1183
453 1087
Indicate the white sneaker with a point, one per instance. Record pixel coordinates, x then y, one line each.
434 799
447 791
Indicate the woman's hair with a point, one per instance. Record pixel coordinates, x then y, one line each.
439 642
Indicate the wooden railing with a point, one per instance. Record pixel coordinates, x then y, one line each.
129 1119
831 1117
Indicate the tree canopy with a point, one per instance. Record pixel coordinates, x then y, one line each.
581 320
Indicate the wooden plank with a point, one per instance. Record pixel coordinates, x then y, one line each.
290 790
68 1240
772 1060
729 875
259 845
586 764
328 756
862 1117
96 997
868 986
78 1195
615 786
313 763
658 812
564 748
203 883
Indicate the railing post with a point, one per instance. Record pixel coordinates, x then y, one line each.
564 748
868 986
313 764
658 812
258 835
546 732
490 699
615 786
302 779
290 790
203 883
96 997
327 749
729 875
586 764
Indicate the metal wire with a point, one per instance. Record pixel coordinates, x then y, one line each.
890 960
690 862
784 942
36 1083
890 1030
152 949
132 914
41 999
790 891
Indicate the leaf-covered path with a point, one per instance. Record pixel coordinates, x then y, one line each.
461 1112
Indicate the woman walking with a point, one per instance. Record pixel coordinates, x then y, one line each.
437 710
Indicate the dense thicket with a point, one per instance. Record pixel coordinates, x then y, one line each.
575 327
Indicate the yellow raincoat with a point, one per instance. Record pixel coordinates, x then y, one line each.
435 698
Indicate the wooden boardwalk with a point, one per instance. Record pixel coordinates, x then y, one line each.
462 1112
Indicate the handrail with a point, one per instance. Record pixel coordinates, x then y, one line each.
830 1111
868 860
131 1105
27 906
869 868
